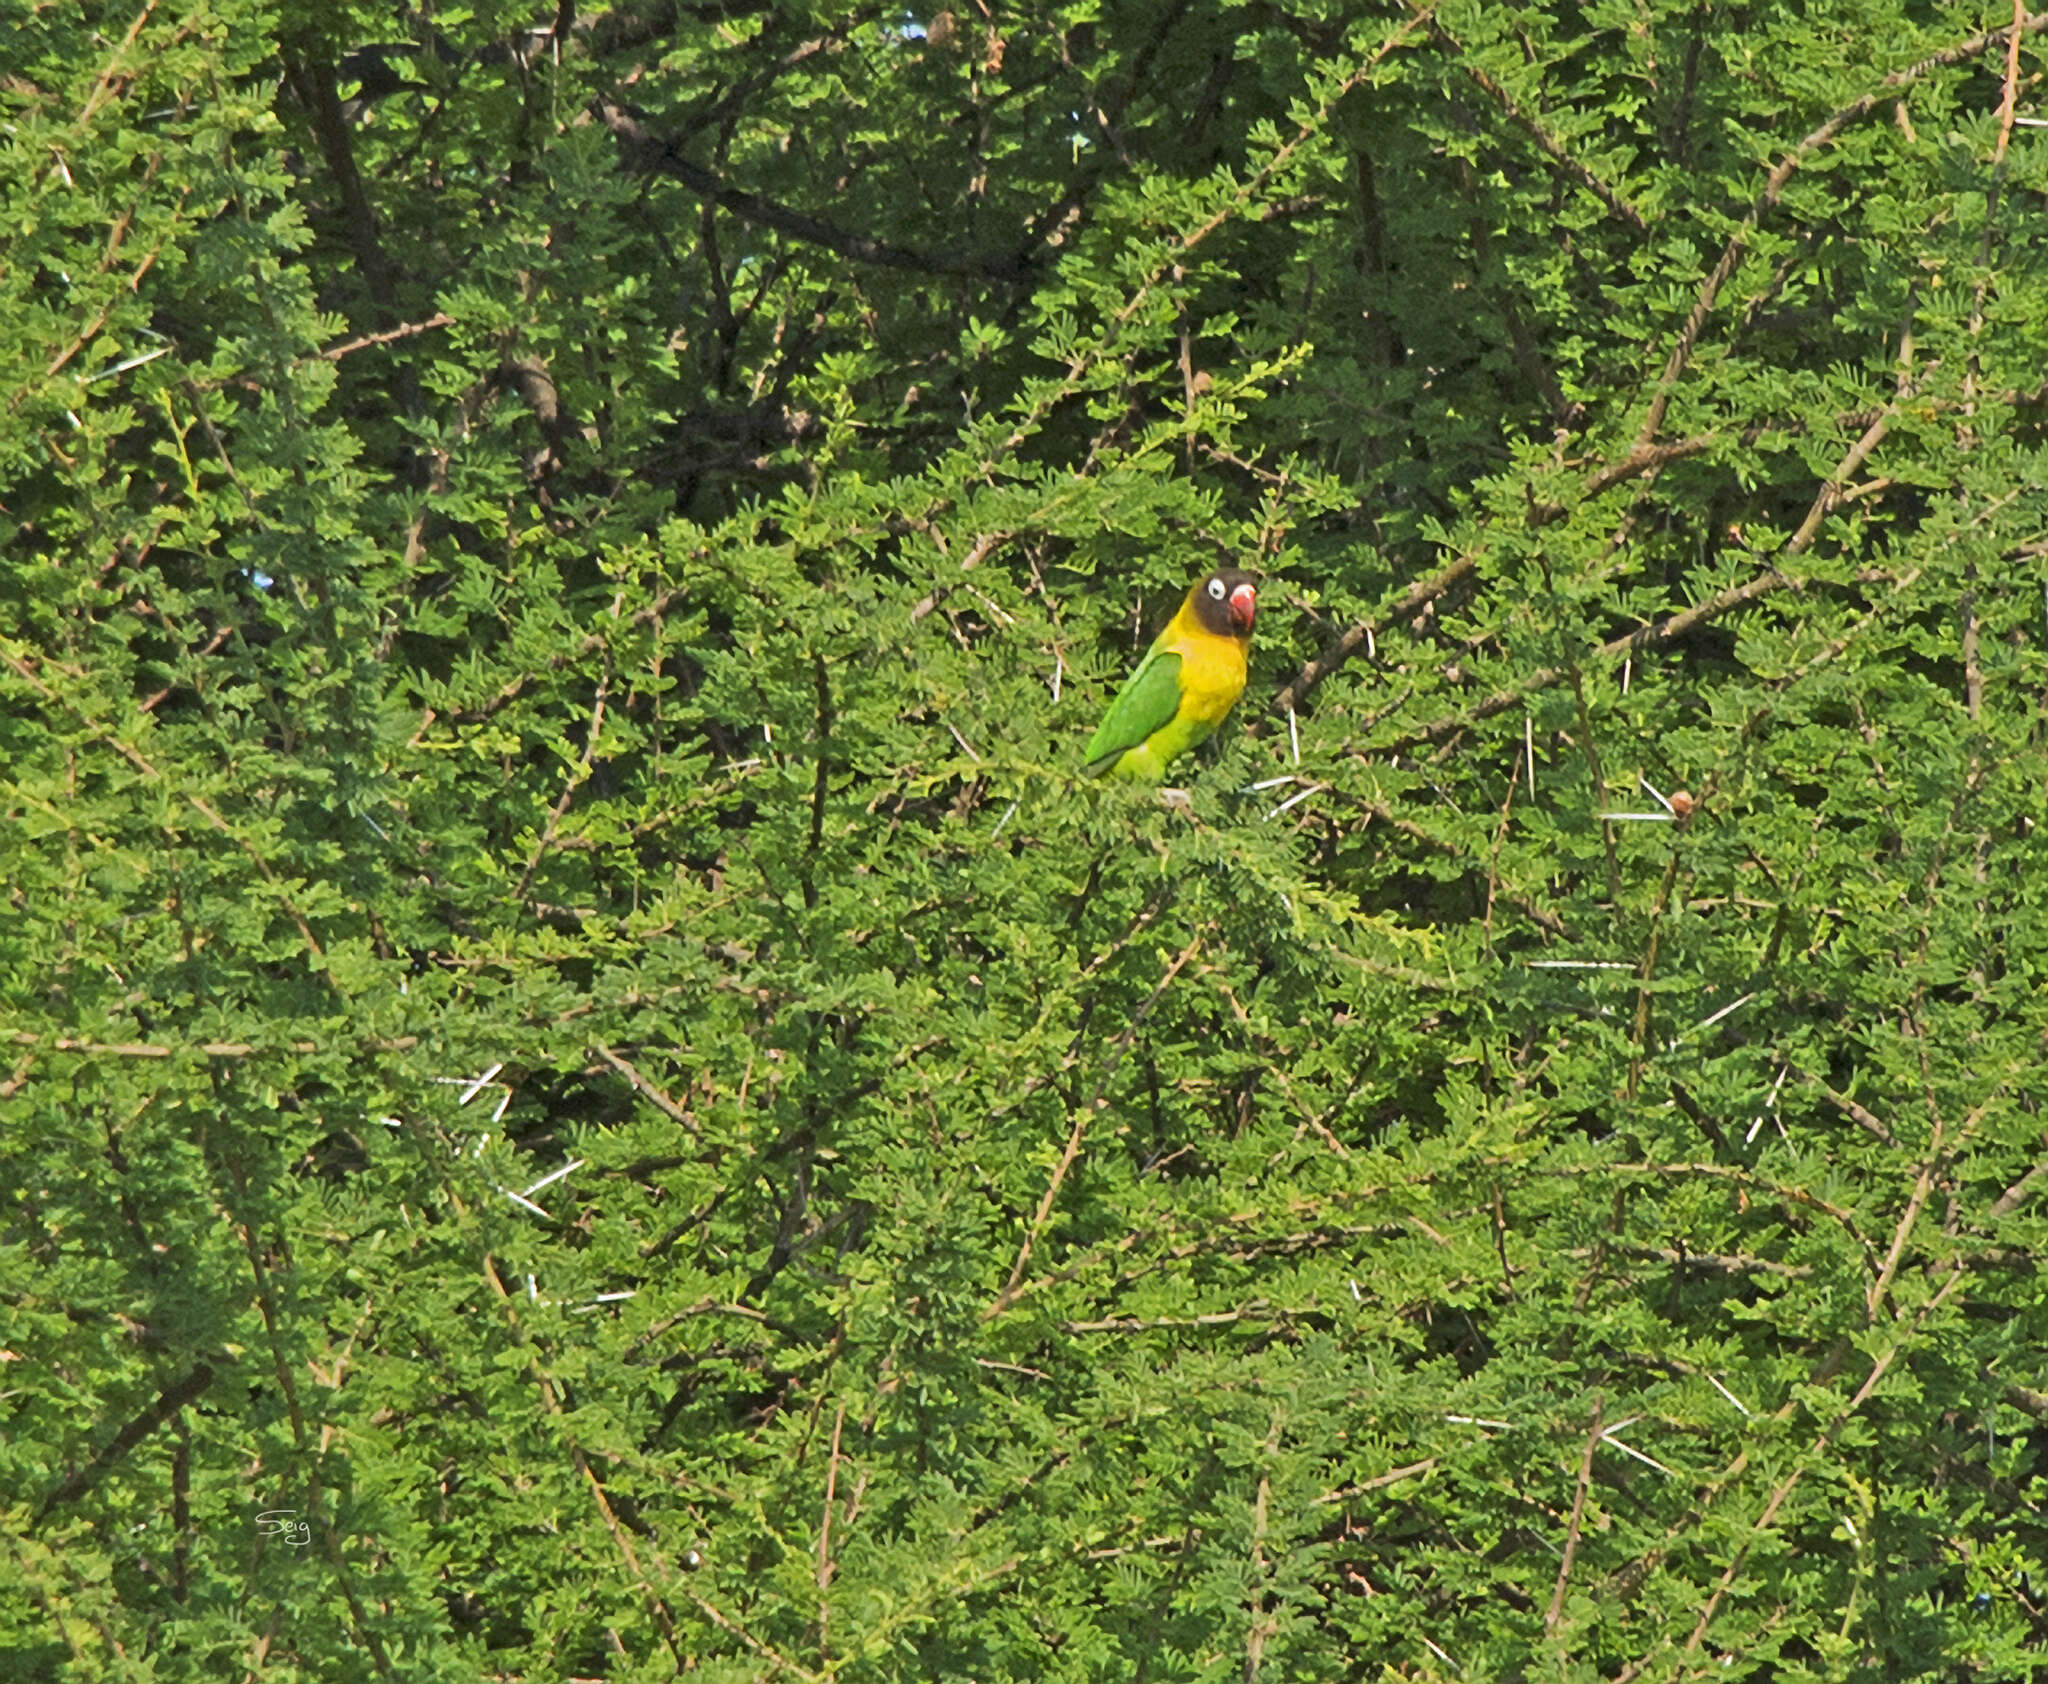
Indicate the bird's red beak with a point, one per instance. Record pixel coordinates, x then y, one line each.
1244 604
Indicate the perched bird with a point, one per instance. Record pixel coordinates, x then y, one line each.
1188 681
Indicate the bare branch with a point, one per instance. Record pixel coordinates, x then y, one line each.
1552 1619
169 1401
1416 597
1546 143
1774 186
649 154
404 330
1078 1132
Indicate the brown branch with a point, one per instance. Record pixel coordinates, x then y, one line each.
1782 172
90 331
552 1404
1417 596
825 1564
151 703
1552 1619
1378 813
1735 596
404 330
578 775
514 688
1720 1261
1785 1486
2016 1195
1263 1626
1255 1312
1861 1116
202 1049
169 1401
649 154
1256 184
1726 1172
146 1049
1379 1482
648 1090
1546 143
1642 459
1058 220
535 383
103 87
1078 1132
1831 489
313 81
2027 1400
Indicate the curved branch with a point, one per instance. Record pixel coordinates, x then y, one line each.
1415 597
1546 143
1782 172
646 153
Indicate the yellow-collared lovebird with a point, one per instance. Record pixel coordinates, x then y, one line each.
1188 681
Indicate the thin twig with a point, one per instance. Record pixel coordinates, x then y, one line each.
1552 1619
1774 186
1546 143
577 777
825 1567
649 154
405 330
1784 1488
1079 1131
1262 1626
647 1089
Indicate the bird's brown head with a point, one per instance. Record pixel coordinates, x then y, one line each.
1226 602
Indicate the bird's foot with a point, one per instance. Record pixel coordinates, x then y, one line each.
1178 798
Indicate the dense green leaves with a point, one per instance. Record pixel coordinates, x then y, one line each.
591 1092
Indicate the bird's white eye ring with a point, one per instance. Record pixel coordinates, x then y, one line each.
1216 589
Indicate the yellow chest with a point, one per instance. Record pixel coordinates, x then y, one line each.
1212 675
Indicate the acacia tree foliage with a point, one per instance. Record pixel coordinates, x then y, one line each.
573 1030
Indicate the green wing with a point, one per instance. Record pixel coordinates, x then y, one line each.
1150 697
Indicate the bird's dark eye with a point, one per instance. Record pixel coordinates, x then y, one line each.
1216 589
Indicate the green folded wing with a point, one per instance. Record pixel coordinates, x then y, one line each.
1150 697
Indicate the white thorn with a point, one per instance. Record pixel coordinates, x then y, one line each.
1294 800
476 1087
549 1180
1732 1006
1629 1450
1730 1396
124 367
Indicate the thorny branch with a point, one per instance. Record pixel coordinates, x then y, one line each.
1774 186
649 154
1078 1132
